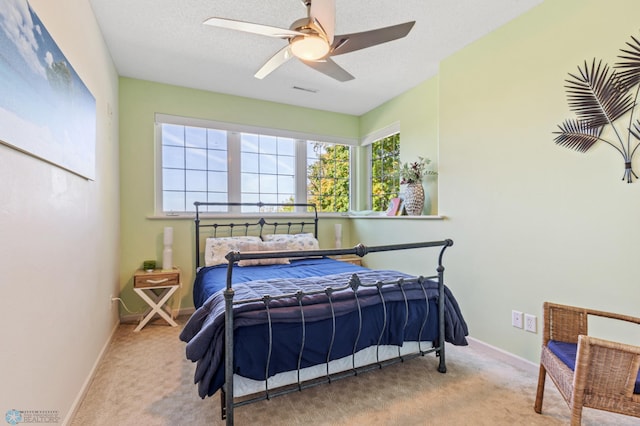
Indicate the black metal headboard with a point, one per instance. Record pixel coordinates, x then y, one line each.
256 227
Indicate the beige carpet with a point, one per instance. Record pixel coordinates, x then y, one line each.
145 379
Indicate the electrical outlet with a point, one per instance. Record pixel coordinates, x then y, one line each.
530 323
516 319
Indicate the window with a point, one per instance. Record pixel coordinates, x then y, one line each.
328 176
194 166
218 162
385 166
268 166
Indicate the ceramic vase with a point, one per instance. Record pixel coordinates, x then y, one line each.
414 199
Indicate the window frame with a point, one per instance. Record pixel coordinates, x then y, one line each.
233 160
367 141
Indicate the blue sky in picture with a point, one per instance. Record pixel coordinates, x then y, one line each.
45 108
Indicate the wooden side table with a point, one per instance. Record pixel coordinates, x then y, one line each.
156 288
349 258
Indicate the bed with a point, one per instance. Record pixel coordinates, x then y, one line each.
276 314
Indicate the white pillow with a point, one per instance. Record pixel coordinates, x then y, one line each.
263 246
216 249
295 242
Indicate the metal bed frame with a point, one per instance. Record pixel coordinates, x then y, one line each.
228 401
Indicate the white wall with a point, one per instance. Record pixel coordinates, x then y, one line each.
59 237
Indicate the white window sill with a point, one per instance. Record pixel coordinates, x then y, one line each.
251 215
222 216
385 217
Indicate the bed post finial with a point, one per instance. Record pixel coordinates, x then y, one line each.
361 250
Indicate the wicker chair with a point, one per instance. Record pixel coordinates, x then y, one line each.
605 372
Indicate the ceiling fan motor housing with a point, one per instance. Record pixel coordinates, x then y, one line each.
311 46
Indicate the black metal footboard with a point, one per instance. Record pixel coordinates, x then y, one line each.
229 401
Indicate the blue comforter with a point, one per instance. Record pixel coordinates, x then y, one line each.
396 322
211 279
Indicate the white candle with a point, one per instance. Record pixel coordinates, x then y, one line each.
338 236
167 252
168 235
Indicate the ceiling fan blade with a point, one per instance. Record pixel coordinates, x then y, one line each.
330 68
250 27
324 12
350 42
282 56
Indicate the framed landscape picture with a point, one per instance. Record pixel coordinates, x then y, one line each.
45 108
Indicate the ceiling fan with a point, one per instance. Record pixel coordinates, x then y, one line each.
312 39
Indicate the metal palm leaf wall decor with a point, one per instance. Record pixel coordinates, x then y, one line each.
600 96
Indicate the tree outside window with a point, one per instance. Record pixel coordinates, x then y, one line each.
385 167
328 176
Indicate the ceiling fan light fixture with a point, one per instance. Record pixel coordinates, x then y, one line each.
309 47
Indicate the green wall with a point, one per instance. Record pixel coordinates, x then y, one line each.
141 231
531 221
417 113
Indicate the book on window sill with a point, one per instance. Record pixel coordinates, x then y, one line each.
394 207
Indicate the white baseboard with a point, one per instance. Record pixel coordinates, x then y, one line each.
505 356
85 386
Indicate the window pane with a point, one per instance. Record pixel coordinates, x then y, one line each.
268 164
286 198
286 165
173 201
250 198
249 163
268 145
172 157
286 146
217 181
327 173
269 198
249 143
172 135
217 160
250 183
312 153
268 184
192 197
196 180
385 180
195 137
196 159
216 139
286 184
217 197
173 180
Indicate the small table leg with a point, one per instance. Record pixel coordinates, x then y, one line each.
156 303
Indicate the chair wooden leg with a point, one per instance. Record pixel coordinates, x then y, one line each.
540 392
576 415
577 401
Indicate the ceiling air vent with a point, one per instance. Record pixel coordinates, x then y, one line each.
305 89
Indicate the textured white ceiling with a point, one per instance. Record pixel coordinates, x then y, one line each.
165 41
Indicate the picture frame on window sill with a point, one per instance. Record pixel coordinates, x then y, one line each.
395 207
